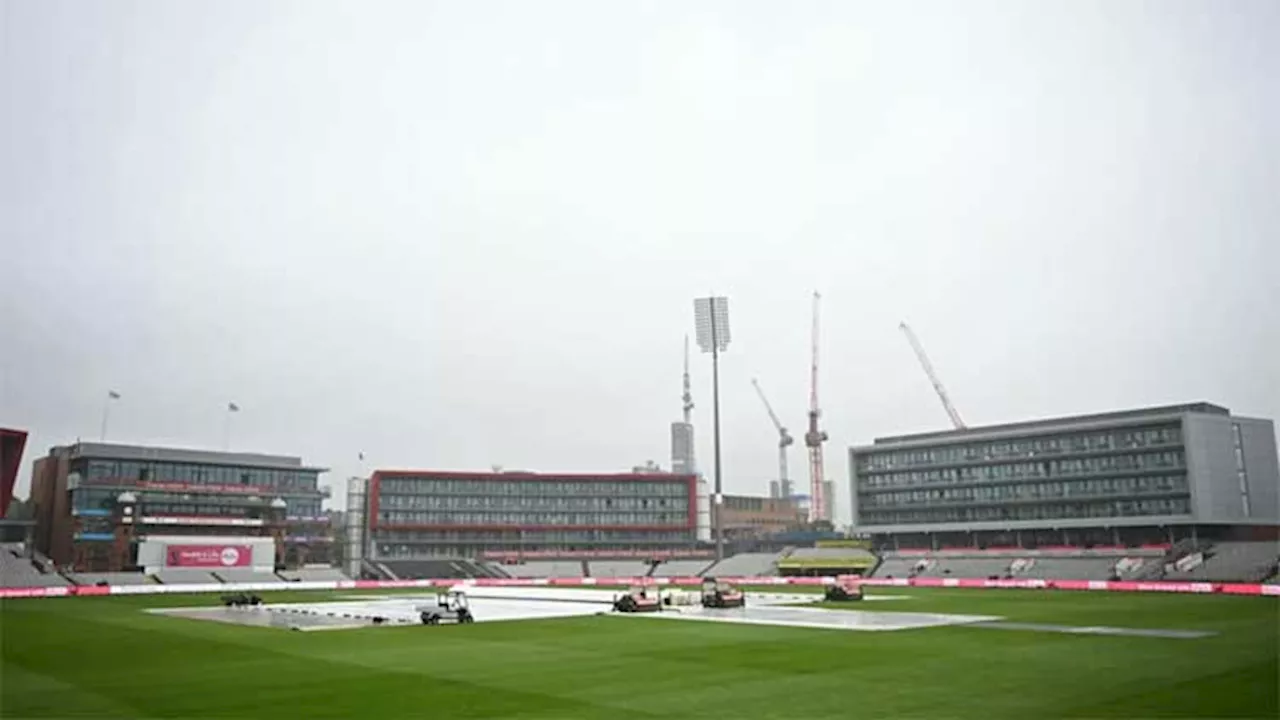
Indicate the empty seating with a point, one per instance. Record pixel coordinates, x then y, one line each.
442 568
966 567
681 568
898 567
112 578
618 568
247 575
546 569
1231 562
185 577
1078 568
314 575
746 565
16 571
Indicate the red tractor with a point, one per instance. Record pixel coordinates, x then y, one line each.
716 594
638 599
847 588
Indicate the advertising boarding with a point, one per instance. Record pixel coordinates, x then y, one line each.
208 556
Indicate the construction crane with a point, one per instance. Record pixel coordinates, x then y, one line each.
933 376
814 438
784 441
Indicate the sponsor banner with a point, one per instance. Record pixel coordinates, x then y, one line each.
33 592
1178 587
1019 584
140 589
208 556
1077 584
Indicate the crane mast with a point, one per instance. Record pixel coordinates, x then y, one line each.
814 438
687 397
784 440
933 376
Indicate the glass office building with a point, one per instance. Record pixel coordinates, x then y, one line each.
1098 479
452 514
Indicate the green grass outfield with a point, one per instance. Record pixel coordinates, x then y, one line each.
102 657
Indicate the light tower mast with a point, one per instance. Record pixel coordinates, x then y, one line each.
781 488
933 376
814 438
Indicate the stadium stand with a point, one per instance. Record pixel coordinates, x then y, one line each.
440 568
19 571
828 561
746 565
246 575
1064 563
680 568
184 577
313 575
817 553
966 567
546 569
1225 562
112 578
617 568
1049 568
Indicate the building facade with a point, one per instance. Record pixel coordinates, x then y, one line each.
750 517
682 449
95 502
1154 474
424 514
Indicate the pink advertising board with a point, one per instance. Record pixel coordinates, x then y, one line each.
208 556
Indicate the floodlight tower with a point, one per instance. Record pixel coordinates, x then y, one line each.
711 325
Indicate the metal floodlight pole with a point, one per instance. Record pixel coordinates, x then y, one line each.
711 318
112 396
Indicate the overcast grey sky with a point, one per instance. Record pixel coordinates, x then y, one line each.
456 234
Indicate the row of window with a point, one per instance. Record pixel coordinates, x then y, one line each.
1023 448
88 498
530 539
1028 491
562 504
1154 460
539 488
198 474
1054 511
532 518
1242 472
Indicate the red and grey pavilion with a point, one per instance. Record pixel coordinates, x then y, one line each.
96 503
512 515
